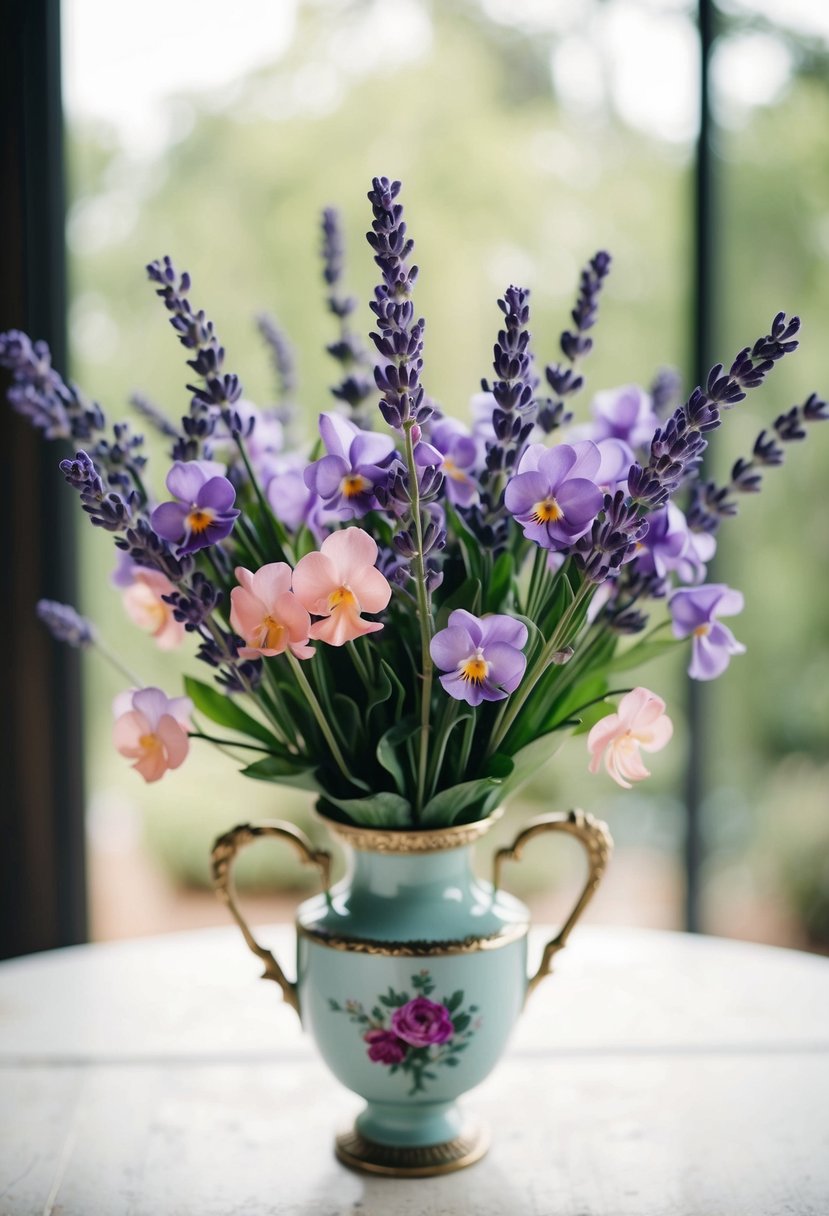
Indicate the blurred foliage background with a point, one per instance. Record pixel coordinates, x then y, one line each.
527 135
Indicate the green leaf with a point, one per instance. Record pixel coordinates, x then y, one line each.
349 720
383 810
444 809
387 750
467 540
467 596
500 583
644 652
461 1022
530 759
455 1001
283 771
397 687
224 710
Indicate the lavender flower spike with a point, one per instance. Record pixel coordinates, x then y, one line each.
481 656
694 611
66 624
204 513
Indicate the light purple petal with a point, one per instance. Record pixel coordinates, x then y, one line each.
707 659
325 476
337 434
524 491
168 520
217 493
506 665
449 647
502 628
462 690
152 703
369 447
588 460
555 464
488 692
616 459
427 454
185 479
580 500
532 455
461 619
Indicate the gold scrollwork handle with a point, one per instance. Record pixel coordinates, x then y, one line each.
223 856
593 835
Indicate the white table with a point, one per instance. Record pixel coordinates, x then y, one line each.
655 1074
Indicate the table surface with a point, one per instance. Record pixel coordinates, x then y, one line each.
655 1074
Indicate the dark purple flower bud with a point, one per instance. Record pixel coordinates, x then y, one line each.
66 624
194 604
146 548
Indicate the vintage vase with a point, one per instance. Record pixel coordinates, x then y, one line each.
411 973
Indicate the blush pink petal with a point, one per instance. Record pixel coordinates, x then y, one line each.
655 737
127 731
640 707
616 740
372 589
174 740
315 577
271 581
343 625
350 551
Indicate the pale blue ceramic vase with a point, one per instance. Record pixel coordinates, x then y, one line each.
411 973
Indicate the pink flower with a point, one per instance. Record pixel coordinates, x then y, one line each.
266 613
384 1047
640 722
339 583
151 729
144 606
422 1022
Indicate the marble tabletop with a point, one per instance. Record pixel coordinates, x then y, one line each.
655 1074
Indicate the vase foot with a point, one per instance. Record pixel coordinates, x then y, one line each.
411 1161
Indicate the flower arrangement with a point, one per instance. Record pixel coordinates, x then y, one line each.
407 618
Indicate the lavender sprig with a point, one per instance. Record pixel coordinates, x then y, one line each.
356 382
106 509
564 378
155 416
711 504
400 340
219 390
66 624
283 362
677 448
664 390
39 393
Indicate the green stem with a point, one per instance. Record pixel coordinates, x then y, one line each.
359 664
536 582
277 531
115 662
466 746
317 711
249 747
556 641
424 613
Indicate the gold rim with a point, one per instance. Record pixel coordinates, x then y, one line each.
361 945
425 1161
426 840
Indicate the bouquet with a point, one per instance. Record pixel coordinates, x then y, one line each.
408 617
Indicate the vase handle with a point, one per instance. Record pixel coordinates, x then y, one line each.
594 836
223 856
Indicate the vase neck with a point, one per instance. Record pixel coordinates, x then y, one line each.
389 875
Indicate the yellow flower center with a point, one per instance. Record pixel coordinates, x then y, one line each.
354 484
474 669
199 519
272 632
452 470
342 597
149 743
547 512
702 631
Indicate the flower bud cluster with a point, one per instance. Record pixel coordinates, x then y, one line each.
106 509
563 378
356 383
400 340
193 604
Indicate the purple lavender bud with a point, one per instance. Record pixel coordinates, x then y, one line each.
193 605
66 624
107 510
146 548
244 676
282 358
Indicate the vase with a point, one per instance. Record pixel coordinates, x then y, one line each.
411 973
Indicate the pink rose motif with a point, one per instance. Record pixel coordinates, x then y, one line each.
384 1047
422 1022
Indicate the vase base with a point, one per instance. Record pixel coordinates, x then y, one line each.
416 1161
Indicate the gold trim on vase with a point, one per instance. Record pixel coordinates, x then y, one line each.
422 840
421 1161
413 949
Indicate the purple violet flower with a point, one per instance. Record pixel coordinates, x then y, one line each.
458 456
357 463
554 495
670 546
624 413
695 611
481 655
204 513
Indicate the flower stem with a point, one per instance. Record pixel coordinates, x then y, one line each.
557 639
115 662
317 711
424 613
